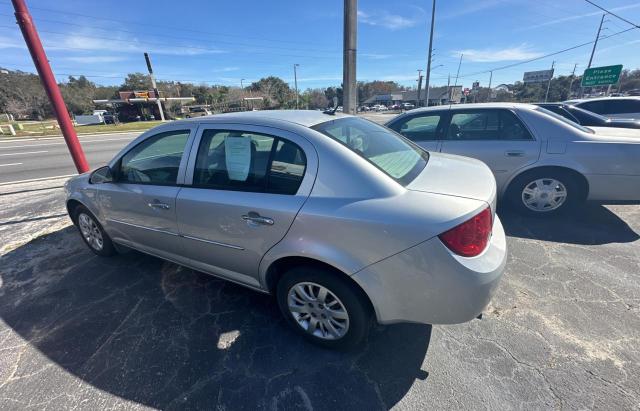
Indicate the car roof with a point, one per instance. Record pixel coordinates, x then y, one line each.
306 118
472 106
582 100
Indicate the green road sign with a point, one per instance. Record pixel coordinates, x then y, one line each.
601 76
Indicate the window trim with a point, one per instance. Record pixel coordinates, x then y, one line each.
498 109
116 163
308 151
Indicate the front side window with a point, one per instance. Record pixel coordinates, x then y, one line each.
243 161
394 155
154 161
419 128
594 106
486 125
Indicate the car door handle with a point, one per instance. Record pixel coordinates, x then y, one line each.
253 217
157 204
514 153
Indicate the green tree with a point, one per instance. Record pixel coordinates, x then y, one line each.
136 81
275 92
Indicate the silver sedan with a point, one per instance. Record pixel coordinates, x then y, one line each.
543 163
341 219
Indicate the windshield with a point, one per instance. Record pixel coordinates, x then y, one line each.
565 120
393 154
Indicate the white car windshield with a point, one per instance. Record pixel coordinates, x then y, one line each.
565 120
393 154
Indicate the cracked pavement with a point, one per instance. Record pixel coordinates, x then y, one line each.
134 332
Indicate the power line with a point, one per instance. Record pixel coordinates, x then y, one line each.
162 44
613 14
544 56
164 27
176 37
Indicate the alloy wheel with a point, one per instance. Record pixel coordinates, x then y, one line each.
544 194
318 311
90 231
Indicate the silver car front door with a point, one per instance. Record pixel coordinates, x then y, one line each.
245 185
495 136
139 205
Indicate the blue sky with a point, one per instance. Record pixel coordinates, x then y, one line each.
221 42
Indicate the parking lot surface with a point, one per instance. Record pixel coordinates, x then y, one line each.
134 332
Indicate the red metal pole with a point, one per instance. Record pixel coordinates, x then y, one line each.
39 57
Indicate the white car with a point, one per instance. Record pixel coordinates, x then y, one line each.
614 107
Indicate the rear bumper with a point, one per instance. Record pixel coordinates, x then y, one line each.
430 284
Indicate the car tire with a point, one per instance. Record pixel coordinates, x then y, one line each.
341 319
545 193
92 232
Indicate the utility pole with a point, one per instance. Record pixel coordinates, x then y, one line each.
546 96
30 34
449 88
595 43
153 84
428 74
295 80
241 83
490 78
573 76
419 86
349 89
593 50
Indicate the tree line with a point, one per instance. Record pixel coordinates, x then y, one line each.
22 95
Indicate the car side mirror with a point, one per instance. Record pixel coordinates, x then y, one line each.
101 175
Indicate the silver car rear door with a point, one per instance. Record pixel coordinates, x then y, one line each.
234 206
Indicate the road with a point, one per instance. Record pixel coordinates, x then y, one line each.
23 159
29 158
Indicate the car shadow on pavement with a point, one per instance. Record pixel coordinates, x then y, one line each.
161 335
593 224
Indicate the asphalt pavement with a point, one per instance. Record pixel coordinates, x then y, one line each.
34 158
135 332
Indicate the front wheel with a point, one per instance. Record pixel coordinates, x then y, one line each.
92 233
323 307
544 193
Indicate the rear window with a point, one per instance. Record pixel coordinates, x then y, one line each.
564 120
393 154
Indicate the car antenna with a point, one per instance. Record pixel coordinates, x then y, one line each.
331 111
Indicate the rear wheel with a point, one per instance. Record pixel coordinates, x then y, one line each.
323 307
544 193
92 233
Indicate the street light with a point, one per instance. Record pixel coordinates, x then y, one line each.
295 80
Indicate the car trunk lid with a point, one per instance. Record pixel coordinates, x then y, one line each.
457 176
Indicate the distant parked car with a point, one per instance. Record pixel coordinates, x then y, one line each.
543 163
338 217
197 112
614 107
587 118
408 106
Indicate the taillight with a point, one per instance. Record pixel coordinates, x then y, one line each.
471 237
